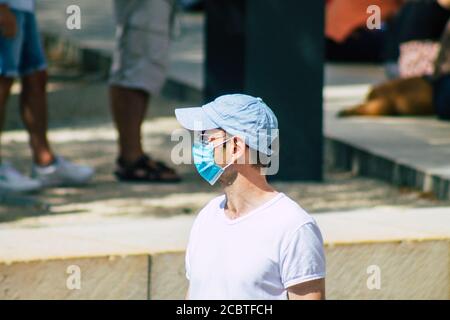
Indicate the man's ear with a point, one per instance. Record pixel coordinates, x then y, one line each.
239 150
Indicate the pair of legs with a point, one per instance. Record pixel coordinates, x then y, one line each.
406 96
376 107
129 107
140 61
21 53
33 107
388 107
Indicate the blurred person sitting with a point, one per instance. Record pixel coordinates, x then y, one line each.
347 36
441 75
138 72
420 95
21 55
418 27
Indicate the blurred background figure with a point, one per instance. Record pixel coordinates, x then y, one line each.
21 56
192 5
418 27
420 33
347 36
441 74
138 72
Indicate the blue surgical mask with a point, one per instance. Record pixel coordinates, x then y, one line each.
203 155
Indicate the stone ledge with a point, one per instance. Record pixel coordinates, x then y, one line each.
346 156
103 278
411 248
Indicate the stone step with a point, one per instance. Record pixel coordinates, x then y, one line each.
404 151
144 258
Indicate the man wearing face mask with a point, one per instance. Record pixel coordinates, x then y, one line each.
253 242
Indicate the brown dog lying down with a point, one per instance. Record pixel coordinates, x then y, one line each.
411 96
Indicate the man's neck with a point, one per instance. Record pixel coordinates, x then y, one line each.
245 195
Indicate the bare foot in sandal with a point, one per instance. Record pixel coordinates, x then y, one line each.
145 169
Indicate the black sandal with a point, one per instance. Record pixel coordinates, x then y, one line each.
145 170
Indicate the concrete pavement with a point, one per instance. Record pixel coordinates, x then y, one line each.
407 250
128 239
95 144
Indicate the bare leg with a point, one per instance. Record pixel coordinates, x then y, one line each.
128 107
377 107
5 89
34 115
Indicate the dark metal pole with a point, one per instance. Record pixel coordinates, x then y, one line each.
273 49
224 47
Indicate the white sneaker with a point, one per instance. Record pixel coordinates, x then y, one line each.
12 180
62 173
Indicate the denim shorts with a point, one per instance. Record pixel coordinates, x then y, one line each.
22 54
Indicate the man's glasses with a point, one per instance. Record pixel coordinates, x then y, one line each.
205 138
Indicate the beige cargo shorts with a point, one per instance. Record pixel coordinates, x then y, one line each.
141 55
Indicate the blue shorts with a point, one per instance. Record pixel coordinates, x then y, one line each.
22 54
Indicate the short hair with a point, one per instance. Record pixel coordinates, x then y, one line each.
257 163
254 155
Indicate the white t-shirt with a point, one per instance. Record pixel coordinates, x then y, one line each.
256 256
23 5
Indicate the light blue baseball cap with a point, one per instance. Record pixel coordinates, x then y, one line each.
239 115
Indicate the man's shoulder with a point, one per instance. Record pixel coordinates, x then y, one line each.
290 214
290 219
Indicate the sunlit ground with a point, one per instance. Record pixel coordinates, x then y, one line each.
106 198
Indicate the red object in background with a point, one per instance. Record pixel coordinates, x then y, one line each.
342 17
